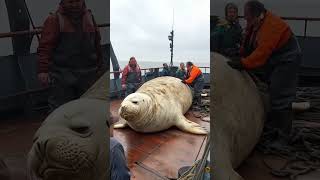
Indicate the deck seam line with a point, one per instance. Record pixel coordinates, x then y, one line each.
140 164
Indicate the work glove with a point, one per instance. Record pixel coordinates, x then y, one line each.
43 78
231 52
235 63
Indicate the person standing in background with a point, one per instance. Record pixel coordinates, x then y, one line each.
131 77
69 52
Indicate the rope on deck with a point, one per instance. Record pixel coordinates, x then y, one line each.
302 153
199 168
202 110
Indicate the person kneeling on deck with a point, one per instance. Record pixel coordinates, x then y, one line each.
70 56
165 71
118 164
181 72
196 80
131 77
272 50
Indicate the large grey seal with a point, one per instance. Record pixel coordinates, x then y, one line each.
72 141
238 118
158 105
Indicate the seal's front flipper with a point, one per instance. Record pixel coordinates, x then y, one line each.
123 123
186 125
120 125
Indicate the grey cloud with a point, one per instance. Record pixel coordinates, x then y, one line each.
141 28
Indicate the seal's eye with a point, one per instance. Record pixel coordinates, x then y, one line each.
80 126
81 130
135 102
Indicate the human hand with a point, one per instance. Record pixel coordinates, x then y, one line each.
43 78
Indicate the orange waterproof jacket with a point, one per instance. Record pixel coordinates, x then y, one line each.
193 74
272 35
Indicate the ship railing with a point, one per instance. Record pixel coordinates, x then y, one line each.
38 30
145 70
117 91
305 19
35 31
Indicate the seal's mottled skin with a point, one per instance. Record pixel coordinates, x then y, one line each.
158 105
238 118
71 143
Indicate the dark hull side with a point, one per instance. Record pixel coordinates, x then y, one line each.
20 88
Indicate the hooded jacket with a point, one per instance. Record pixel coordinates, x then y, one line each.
50 36
129 69
272 35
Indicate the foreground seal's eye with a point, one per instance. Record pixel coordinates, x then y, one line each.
135 102
81 130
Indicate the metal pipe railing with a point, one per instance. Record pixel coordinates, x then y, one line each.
145 69
35 31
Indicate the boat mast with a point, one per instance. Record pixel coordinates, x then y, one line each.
171 39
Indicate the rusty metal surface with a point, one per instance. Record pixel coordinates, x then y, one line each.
15 141
159 155
255 169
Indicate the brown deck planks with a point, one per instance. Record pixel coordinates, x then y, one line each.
161 153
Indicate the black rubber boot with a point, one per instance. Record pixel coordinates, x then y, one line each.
280 122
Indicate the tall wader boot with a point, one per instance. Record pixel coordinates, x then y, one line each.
198 86
74 62
60 91
132 83
280 122
130 89
283 79
67 85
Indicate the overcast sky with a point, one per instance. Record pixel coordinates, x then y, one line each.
293 8
140 28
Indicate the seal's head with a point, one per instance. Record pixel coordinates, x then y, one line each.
134 106
71 143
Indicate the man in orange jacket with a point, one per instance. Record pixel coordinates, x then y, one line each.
271 48
196 80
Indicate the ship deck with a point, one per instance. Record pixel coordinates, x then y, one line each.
149 156
160 155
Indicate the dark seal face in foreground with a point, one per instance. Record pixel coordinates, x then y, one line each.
71 143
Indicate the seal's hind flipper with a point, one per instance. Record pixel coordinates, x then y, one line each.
186 125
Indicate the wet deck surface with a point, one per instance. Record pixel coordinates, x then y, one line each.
254 168
15 141
159 155
150 156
